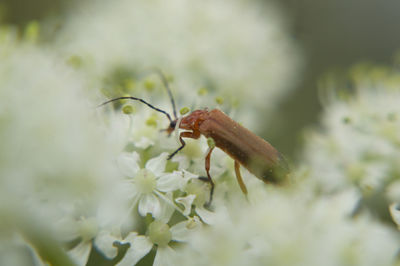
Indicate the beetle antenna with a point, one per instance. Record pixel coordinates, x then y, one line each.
166 85
140 100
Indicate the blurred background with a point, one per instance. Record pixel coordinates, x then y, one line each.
333 35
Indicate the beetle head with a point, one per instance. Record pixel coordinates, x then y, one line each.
171 127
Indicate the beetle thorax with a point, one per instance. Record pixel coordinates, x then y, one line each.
193 120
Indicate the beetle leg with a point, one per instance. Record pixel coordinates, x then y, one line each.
186 134
239 178
207 162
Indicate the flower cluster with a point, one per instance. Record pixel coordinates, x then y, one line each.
287 227
67 176
54 161
359 143
236 52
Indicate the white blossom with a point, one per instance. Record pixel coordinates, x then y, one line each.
148 185
161 235
54 162
286 228
358 144
244 63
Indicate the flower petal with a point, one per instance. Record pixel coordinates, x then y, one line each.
67 228
104 243
128 163
187 203
140 246
129 238
188 175
157 164
144 142
394 209
80 253
170 182
180 231
149 203
207 216
183 161
113 208
164 257
167 207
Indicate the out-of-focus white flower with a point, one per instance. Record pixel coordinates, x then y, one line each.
86 231
286 228
161 235
202 43
359 143
90 235
15 251
140 128
395 213
54 162
51 146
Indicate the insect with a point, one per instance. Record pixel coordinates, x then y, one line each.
246 148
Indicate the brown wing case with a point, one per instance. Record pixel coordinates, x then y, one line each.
251 151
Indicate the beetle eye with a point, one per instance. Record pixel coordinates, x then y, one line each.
172 124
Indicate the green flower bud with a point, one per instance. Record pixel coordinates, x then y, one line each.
32 31
202 92
75 61
184 110
149 84
151 121
219 100
128 109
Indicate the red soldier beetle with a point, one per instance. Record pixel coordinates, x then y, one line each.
246 148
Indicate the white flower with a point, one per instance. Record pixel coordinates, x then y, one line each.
289 228
53 155
160 235
243 64
84 229
359 143
140 128
90 235
16 251
150 184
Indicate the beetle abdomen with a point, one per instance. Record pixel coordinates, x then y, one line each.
251 151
